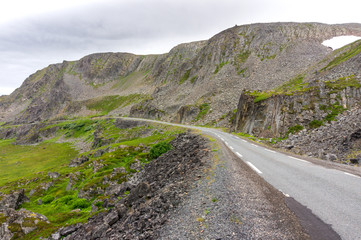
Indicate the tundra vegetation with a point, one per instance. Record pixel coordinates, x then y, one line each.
77 192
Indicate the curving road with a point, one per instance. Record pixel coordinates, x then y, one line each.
333 195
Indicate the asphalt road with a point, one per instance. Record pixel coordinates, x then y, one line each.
332 195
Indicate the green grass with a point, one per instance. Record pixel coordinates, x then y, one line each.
109 103
349 52
20 167
242 57
294 129
220 66
193 79
294 86
203 110
315 123
342 83
19 161
185 76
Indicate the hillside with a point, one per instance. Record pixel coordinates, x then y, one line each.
71 168
197 82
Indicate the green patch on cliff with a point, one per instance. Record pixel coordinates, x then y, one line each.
109 103
346 53
294 86
203 110
342 83
294 129
220 66
185 76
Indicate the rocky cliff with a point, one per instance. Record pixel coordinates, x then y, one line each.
317 110
197 82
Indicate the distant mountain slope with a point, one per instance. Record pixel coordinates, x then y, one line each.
197 82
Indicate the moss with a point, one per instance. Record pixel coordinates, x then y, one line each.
203 110
294 129
220 66
242 57
294 86
193 79
15 227
315 123
158 149
29 222
342 83
242 72
3 218
335 110
185 76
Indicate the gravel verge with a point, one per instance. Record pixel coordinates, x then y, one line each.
232 202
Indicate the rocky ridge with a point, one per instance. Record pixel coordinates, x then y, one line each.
175 86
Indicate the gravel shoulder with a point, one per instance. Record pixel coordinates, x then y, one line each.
230 201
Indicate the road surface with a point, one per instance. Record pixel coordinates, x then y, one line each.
332 195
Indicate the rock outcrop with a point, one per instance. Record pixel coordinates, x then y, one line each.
336 141
175 85
15 224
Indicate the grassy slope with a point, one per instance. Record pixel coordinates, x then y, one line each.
17 161
20 166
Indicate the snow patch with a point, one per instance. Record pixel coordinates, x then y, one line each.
338 42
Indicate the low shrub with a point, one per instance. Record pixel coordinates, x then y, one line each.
158 149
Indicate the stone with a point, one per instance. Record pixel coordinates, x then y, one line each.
69 230
78 161
13 200
331 157
53 175
55 236
111 218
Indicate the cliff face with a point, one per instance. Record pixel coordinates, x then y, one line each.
197 82
308 101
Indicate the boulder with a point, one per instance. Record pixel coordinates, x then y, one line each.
13 200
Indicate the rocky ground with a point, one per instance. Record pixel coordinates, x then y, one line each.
336 141
157 189
187 194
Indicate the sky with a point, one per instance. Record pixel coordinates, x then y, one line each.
36 33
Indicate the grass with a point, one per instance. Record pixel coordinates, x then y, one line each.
18 161
294 129
295 85
185 76
220 66
109 103
345 53
203 110
342 83
26 167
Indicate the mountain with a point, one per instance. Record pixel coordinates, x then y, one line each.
198 82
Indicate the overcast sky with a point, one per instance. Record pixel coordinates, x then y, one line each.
36 33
